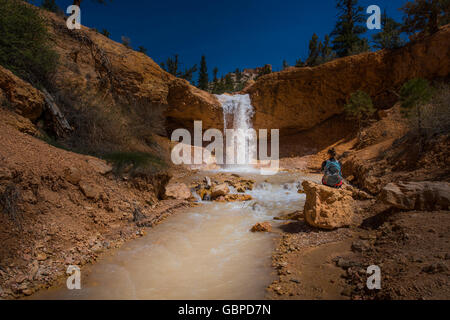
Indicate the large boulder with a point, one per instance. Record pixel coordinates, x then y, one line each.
220 191
100 166
21 96
178 191
328 208
423 196
73 175
262 227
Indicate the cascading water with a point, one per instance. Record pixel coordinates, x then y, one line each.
237 114
206 252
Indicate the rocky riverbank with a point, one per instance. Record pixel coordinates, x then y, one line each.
393 212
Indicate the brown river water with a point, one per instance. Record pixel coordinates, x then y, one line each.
205 252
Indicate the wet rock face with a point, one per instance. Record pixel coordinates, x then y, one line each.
328 208
235 198
262 227
220 191
302 98
20 96
427 196
178 191
217 188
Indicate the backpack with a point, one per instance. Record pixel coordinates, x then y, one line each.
333 177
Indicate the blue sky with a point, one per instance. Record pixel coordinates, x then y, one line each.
232 34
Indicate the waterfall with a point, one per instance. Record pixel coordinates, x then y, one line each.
237 114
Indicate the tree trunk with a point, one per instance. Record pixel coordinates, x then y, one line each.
433 23
60 125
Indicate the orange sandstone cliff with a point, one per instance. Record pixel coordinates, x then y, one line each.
299 99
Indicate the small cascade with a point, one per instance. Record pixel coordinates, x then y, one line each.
237 114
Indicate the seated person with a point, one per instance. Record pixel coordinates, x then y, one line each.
332 171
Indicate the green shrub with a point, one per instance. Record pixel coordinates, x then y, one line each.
427 107
50 5
414 95
97 129
106 33
359 107
137 162
24 42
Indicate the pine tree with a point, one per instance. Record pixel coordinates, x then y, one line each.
126 42
171 65
142 49
203 75
106 33
327 53
425 16
267 69
50 5
389 37
238 74
215 73
188 74
348 29
285 65
220 88
299 63
314 51
215 86
229 83
78 2
360 47
319 52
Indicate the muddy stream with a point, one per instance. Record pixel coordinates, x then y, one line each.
204 252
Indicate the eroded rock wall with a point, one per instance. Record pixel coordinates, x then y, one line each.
301 98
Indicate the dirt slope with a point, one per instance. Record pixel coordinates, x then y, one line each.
60 208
